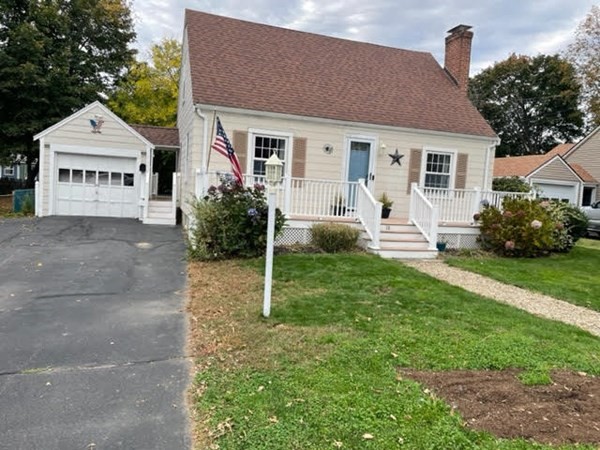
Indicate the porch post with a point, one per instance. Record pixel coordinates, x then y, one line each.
435 214
476 201
411 210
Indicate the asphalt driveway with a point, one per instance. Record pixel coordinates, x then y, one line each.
92 333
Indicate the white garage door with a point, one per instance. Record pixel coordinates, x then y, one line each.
557 192
102 186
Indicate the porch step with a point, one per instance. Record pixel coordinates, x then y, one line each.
160 213
401 240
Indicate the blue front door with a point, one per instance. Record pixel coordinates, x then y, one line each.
358 167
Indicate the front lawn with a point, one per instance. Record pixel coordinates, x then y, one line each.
321 373
573 277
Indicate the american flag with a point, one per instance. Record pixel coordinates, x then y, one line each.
224 147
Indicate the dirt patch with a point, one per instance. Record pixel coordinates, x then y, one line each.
5 204
564 412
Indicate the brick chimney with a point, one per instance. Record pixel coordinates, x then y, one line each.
457 61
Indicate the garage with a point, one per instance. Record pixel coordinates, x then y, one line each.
92 185
560 192
93 164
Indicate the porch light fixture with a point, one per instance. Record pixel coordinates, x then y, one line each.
273 175
273 170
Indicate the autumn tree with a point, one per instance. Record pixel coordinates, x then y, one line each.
531 103
148 93
55 57
584 54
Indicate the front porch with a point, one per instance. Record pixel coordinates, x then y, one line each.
433 214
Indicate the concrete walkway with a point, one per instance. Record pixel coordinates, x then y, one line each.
538 304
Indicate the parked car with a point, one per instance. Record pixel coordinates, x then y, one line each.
593 213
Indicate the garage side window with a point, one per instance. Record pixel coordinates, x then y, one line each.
64 175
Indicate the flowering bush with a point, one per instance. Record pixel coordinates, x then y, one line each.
231 221
531 228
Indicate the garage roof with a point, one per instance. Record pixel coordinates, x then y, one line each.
159 136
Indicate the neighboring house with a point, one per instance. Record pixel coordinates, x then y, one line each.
94 164
586 154
335 111
15 171
552 175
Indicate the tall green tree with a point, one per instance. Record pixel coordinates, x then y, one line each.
584 54
531 103
148 93
55 57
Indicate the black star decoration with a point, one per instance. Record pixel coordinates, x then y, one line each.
396 157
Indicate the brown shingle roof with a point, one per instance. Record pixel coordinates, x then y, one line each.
560 149
518 166
159 136
583 174
245 65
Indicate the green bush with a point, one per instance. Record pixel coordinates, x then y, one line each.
231 221
510 184
531 228
28 207
334 237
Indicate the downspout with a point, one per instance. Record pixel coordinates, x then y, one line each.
204 138
486 172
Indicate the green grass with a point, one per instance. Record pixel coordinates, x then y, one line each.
322 369
573 277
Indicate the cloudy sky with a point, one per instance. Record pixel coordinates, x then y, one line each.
525 27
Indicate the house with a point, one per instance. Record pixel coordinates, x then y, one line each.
553 175
336 112
15 171
350 121
94 164
586 154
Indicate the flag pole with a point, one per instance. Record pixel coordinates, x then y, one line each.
212 135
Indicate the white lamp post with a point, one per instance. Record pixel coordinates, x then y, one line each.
273 174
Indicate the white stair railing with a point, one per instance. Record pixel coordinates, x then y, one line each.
368 211
424 215
174 193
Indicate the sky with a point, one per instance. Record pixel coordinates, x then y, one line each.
526 27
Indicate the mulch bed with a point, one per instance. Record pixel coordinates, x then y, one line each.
565 412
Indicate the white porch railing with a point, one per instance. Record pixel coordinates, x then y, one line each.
369 213
174 198
459 205
300 196
424 215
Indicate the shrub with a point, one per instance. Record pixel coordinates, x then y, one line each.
28 206
334 237
231 221
531 228
510 184
523 228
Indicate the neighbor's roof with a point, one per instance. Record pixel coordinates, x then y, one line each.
522 166
159 136
252 66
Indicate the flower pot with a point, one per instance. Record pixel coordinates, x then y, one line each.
385 212
441 246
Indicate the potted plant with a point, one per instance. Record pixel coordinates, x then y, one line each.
339 205
386 205
441 245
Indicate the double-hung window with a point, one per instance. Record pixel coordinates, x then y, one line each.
438 169
263 146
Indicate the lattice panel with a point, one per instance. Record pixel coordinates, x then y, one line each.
455 241
291 235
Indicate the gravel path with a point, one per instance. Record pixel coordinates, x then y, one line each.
538 304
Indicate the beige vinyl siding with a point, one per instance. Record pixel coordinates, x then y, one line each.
556 170
319 165
189 124
588 156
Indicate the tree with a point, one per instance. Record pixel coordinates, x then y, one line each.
584 54
55 57
531 103
148 93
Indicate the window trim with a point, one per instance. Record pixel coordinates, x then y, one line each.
8 171
439 150
289 148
